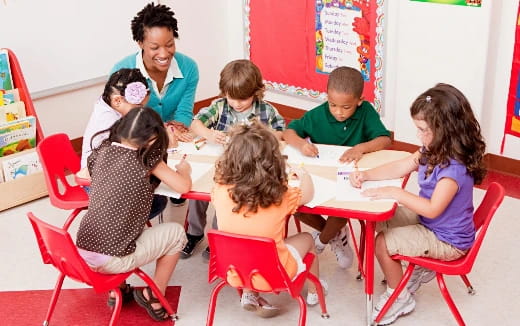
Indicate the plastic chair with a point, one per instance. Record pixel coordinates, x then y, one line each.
58 159
462 266
56 247
249 255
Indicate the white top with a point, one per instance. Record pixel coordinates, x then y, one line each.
173 72
103 117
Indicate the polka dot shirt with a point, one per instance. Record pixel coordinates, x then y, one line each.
121 196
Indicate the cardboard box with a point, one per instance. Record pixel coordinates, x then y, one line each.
21 190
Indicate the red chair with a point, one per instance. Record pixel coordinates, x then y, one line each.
248 255
58 159
462 266
56 247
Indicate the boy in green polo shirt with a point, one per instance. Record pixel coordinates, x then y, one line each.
347 120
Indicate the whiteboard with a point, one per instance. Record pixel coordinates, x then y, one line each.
62 42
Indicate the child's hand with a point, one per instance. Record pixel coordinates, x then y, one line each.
351 155
295 176
218 137
356 178
382 192
183 167
309 149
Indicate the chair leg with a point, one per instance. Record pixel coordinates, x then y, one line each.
321 295
466 281
54 298
117 307
213 303
449 300
71 218
166 305
303 311
397 291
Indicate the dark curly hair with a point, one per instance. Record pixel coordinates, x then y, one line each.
118 81
255 168
456 131
153 16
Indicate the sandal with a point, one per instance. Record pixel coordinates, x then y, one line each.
156 314
127 293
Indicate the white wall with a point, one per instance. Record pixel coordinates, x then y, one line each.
471 48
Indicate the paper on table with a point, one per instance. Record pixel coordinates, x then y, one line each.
208 149
329 155
321 195
345 191
197 171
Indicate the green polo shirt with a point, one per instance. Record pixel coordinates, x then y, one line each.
322 128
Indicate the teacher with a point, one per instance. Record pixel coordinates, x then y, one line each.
172 77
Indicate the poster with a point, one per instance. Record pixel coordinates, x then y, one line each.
471 3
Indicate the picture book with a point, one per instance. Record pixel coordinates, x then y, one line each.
21 165
18 135
12 112
6 81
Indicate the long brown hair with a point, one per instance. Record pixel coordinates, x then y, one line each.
255 168
456 131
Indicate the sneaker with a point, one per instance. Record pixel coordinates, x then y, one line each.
341 248
420 275
178 202
193 241
312 297
401 306
206 254
317 243
253 302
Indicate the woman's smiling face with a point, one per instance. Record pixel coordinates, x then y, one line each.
158 48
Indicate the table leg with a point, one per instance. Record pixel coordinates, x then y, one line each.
369 269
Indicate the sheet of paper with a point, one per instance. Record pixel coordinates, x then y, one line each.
321 195
345 192
208 149
197 171
328 155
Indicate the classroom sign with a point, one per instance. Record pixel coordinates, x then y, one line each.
471 3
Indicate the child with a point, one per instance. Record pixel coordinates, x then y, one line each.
346 120
242 90
124 90
125 169
437 223
252 197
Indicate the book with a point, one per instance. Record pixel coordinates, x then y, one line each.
17 135
12 112
21 165
6 81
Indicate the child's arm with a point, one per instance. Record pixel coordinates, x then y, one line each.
211 135
179 181
306 148
355 153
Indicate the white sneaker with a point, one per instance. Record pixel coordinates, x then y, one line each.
312 298
401 306
317 243
341 248
420 275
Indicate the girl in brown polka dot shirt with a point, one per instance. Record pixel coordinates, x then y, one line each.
125 170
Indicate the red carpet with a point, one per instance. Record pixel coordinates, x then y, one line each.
75 307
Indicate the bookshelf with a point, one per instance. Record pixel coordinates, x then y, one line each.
30 187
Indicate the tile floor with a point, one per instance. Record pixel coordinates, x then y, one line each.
495 277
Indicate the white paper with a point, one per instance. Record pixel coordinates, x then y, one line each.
323 191
345 191
208 149
328 155
197 171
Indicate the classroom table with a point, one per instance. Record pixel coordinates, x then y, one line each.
368 211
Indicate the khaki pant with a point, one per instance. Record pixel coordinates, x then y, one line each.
404 235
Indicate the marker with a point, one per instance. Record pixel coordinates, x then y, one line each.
200 140
184 156
343 173
309 141
198 147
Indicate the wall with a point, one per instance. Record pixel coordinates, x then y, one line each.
426 43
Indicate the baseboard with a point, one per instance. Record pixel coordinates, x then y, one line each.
494 162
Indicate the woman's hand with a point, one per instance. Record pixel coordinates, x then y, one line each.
180 131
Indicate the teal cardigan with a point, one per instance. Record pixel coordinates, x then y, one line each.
177 103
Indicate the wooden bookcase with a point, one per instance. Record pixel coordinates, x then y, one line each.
22 190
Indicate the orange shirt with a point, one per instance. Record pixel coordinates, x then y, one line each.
266 222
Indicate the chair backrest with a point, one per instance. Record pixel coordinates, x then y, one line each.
58 158
482 218
56 247
247 256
